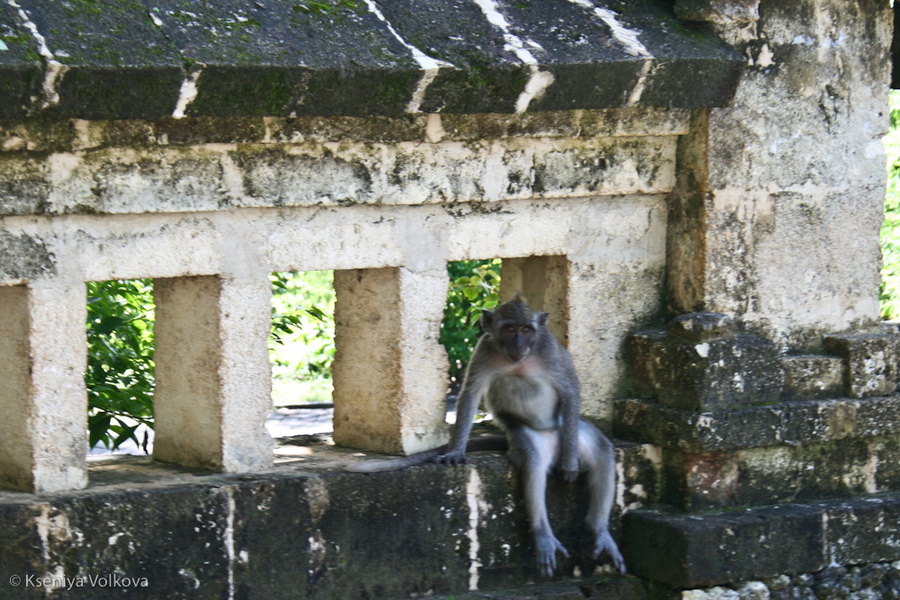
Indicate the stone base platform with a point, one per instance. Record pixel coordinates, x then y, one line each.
303 529
701 550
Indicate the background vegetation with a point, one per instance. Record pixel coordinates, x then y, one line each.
302 344
474 287
890 230
119 375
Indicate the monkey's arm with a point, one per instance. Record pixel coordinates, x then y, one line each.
474 385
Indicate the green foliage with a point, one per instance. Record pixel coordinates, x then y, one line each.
474 287
302 344
890 230
119 376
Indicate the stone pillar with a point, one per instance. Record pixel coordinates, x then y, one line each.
390 371
544 281
43 401
788 199
213 378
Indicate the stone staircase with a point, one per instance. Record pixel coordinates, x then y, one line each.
770 465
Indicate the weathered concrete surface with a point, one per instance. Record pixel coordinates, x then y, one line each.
616 243
302 530
688 551
794 154
878 580
691 551
808 376
43 135
20 68
102 60
213 377
760 476
787 452
544 281
606 587
133 60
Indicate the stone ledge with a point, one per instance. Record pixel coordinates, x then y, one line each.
702 550
303 529
45 135
213 178
809 376
870 360
785 423
142 60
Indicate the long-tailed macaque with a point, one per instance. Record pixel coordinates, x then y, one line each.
529 384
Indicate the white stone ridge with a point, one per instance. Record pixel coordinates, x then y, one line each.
188 91
629 41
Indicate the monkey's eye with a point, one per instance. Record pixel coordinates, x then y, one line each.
527 329
509 329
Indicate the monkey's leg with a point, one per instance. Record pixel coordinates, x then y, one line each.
598 459
534 453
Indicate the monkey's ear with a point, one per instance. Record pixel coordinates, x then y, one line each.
542 319
486 321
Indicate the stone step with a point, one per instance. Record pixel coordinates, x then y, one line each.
707 549
608 588
787 452
791 423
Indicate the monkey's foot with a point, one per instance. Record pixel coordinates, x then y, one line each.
454 457
547 547
605 544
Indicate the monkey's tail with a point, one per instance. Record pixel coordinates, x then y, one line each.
493 442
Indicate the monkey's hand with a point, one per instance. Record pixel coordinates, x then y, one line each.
454 457
547 547
605 544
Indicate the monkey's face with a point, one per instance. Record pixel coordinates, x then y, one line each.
515 327
515 339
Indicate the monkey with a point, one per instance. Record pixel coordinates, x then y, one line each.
528 383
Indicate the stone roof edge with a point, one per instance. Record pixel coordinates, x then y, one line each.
143 59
